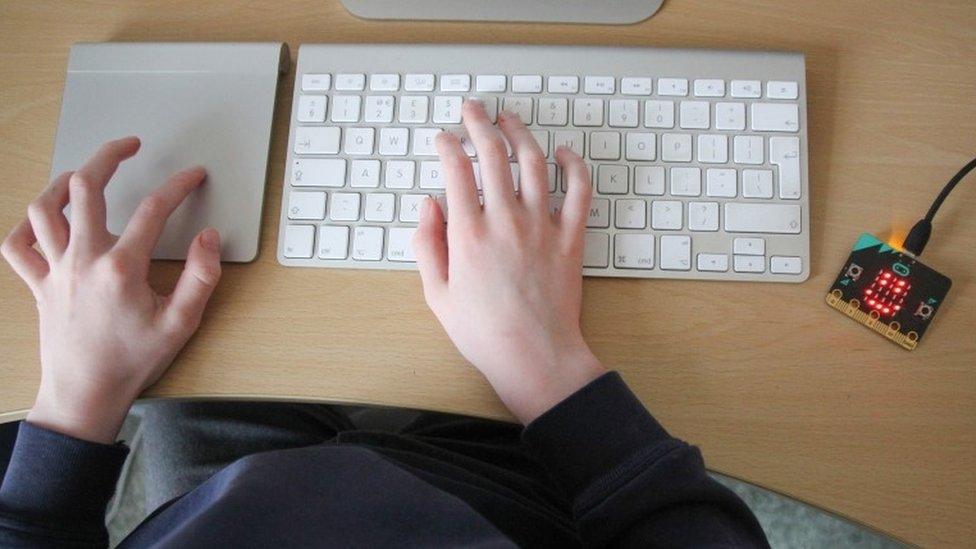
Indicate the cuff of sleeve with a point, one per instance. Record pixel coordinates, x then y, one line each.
52 475
593 431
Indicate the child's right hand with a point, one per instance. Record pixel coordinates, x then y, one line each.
505 280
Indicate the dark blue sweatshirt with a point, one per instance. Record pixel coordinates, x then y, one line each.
624 480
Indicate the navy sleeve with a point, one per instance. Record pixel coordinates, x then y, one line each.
630 482
56 490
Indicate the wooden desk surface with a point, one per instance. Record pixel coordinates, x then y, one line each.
774 386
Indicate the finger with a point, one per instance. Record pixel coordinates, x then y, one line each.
87 189
579 191
200 276
146 225
496 175
46 216
534 179
18 250
430 247
462 192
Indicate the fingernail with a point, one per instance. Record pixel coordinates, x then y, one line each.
210 239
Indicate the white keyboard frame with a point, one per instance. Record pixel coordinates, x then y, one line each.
581 61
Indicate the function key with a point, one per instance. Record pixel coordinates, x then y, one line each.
419 83
599 85
350 82
747 89
456 82
316 82
527 83
709 88
563 84
384 82
781 90
672 86
490 83
635 86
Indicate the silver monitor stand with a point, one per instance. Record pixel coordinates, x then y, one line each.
605 12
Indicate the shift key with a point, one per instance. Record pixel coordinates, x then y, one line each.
762 218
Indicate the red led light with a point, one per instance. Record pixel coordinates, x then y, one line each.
897 307
901 282
871 302
884 282
886 310
887 275
897 290
868 291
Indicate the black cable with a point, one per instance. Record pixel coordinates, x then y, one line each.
918 237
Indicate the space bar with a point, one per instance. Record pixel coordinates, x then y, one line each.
762 218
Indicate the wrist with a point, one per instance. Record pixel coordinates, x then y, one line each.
91 415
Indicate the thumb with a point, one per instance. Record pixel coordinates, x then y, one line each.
199 278
430 248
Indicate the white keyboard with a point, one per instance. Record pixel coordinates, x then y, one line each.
699 158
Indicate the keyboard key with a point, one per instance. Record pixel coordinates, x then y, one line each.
695 115
703 216
522 106
306 205
418 83
596 249
612 179
784 153
490 103
400 245
635 86
563 84
749 263
399 174
553 111
757 183
785 265
456 83
686 181
598 85
333 242
776 89
623 113
424 141
299 241
713 262
359 141
447 109
367 243
748 149
730 116
542 138
676 147
676 253
641 146
605 146
379 207
599 216
318 172
431 175
311 108
393 141
649 180
413 109
350 82
774 117
672 86
762 218
633 251
713 148
410 207
709 88
630 214
588 112
749 246
379 109
490 83
571 139
345 108
527 83
384 82
666 215
316 140
365 173
344 207
720 182
746 89
658 114
316 82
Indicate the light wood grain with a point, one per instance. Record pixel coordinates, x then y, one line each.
774 386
